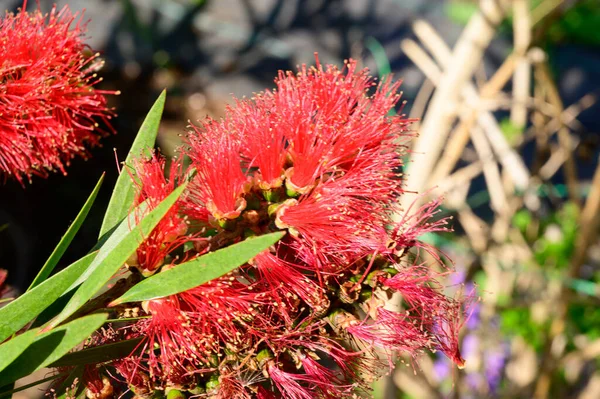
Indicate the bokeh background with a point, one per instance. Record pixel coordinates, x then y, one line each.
506 96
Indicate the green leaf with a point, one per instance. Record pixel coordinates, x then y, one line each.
51 311
99 354
460 12
123 193
51 346
119 233
381 60
584 287
25 308
511 131
198 271
11 349
67 238
9 392
121 244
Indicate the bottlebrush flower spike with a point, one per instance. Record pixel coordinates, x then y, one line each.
152 186
319 159
214 149
3 275
392 331
49 108
288 284
4 289
264 139
328 118
167 330
288 384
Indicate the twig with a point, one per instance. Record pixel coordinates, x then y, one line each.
509 158
420 103
564 136
539 120
477 230
522 40
589 221
459 178
543 10
490 171
556 160
436 126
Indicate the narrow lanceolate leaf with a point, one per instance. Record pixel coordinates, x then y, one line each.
51 346
198 271
117 235
25 308
123 193
120 246
99 354
67 238
11 349
9 392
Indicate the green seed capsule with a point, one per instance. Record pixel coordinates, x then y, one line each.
175 394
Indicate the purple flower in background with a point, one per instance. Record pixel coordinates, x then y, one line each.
495 360
470 344
441 367
473 318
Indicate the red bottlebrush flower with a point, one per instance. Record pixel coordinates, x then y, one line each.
328 382
418 288
288 385
49 109
221 306
3 276
392 331
215 153
262 393
263 140
328 118
288 284
442 316
129 369
5 289
97 386
447 328
416 223
153 186
347 214
233 385
169 331
318 158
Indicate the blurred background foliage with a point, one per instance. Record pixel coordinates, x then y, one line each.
525 202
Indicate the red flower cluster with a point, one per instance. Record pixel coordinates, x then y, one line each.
3 289
319 158
48 106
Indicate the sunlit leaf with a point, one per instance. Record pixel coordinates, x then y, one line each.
123 193
11 349
25 308
51 346
199 271
120 246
